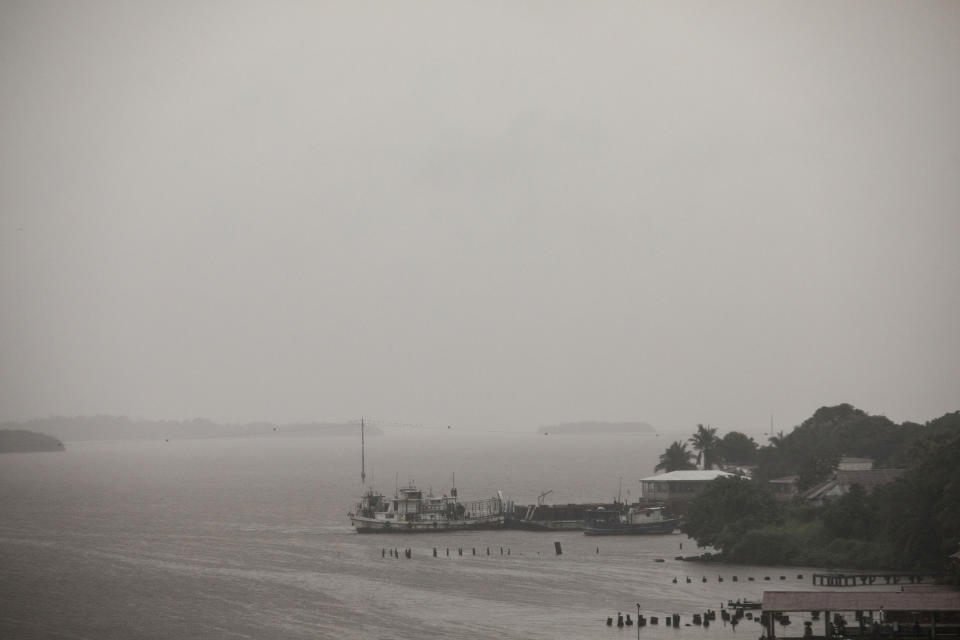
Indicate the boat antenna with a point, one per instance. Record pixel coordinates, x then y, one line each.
363 457
620 489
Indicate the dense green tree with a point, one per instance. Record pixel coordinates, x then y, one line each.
921 510
773 460
850 516
816 467
727 509
705 441
737 448
676 458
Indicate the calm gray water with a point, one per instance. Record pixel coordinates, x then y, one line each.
248 538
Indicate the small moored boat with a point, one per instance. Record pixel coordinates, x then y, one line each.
632 520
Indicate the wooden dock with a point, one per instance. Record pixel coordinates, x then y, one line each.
867 579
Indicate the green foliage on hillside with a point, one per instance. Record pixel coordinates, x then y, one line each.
912 523
813 449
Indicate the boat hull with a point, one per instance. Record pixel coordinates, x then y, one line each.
623 529
376 525
546 525
553 517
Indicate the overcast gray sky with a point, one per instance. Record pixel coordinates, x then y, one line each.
487 214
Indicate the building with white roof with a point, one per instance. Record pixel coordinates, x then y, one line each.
679 486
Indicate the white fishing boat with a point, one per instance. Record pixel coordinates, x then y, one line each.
412 511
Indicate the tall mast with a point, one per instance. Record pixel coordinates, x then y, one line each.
363 460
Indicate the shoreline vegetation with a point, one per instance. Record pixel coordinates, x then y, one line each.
911 523
23 441
101 428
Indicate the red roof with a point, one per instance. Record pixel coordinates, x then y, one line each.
920 600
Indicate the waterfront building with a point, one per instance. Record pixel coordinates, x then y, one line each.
679 486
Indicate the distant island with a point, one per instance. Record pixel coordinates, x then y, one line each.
89 428
580 428
22 441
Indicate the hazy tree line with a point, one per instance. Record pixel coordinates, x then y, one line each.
103 427
911 523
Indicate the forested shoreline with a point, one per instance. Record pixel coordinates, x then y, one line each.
912 523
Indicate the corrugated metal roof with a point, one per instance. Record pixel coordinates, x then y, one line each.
699 474
819 490
790 601
869 479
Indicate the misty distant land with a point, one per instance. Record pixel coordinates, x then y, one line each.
94 428
581 428
23 441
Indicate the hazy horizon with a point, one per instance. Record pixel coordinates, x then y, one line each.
488 216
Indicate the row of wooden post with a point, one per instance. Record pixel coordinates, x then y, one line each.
408 553
735 578
393 552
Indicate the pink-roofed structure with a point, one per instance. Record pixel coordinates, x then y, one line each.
921 608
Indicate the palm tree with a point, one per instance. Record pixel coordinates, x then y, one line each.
675 458
705 442
777 441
